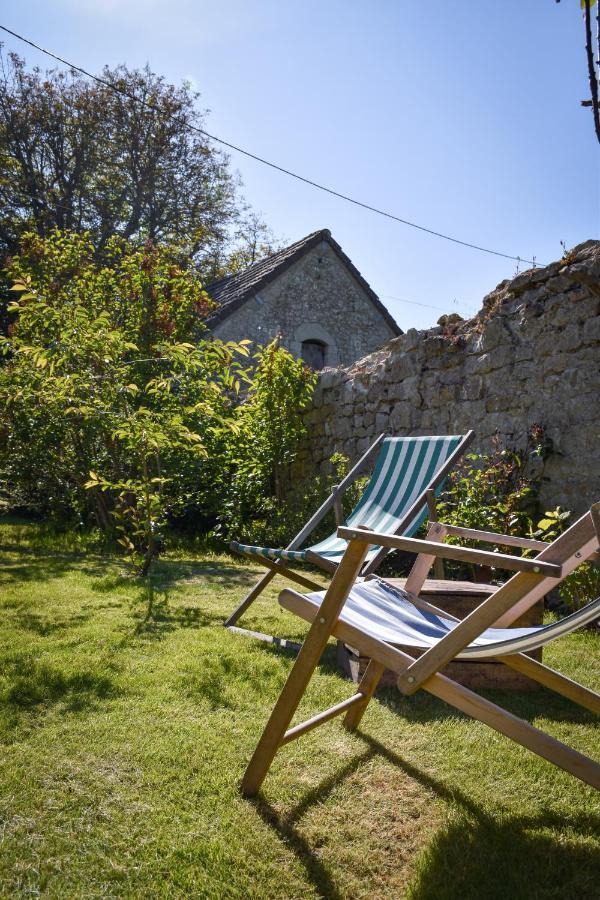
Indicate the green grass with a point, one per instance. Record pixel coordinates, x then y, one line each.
127 715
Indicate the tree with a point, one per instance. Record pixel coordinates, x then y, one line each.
107 394
593 65
120 157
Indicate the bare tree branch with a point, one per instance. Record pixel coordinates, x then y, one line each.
591 66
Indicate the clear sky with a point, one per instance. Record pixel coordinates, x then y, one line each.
462 116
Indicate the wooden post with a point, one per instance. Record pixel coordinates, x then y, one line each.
367 687
304 667
338 510
438 562
423 562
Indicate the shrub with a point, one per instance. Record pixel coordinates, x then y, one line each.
270 432
105 398
496 491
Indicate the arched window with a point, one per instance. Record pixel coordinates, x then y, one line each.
314 354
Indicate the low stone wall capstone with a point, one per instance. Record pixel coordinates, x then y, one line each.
531 355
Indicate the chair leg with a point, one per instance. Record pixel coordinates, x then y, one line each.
306 663
368 686
274 568
250 598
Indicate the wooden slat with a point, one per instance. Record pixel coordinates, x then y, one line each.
304 667
461 698
521 586
438 564
491 537
338 509
321 718
321 561
258 588
554 680
462 554
366 688
424 561
435 586
266 638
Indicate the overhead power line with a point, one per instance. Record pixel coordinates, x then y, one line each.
417 303
266 162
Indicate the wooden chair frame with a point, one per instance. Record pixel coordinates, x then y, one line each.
334 501
529 584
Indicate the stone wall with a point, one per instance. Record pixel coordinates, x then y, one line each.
531 355
314 299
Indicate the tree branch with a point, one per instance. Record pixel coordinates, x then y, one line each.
591 66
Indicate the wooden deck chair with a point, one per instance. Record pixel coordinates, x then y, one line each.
375 619
408 472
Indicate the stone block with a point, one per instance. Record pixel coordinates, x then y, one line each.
471 388
400 417
381 422
558 362
570 337
401 367
591 331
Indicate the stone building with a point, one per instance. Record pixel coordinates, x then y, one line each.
313 296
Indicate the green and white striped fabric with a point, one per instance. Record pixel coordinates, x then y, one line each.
404 469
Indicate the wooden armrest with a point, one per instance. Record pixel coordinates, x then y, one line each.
491 537
446 551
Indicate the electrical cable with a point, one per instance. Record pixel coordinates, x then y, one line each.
266 162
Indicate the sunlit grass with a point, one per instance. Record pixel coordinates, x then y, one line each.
127 715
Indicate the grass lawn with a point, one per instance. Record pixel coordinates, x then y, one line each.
128 714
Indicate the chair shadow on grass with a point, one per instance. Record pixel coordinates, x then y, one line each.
168 573
160 617
476 855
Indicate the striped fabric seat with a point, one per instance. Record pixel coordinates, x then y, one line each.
387 614
404 468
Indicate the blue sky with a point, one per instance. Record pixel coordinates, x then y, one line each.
460 116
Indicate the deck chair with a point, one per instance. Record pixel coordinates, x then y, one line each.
408 473
377 619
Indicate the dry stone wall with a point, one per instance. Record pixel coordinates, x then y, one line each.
531 355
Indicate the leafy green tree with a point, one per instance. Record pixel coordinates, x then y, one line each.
125 157
108 391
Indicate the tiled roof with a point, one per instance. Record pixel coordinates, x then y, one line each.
233 291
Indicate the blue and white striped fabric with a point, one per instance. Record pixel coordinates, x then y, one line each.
404 469
386 613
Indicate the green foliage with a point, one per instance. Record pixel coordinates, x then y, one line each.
271 429
494 491
551 524
581 586
105 399
281 520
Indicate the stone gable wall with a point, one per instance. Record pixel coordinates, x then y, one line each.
532 354
315 299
